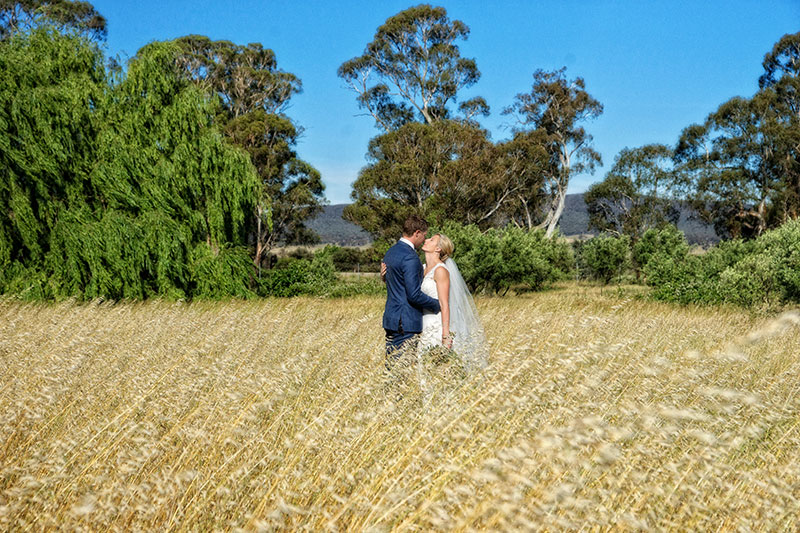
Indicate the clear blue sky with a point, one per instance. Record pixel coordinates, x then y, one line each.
656 66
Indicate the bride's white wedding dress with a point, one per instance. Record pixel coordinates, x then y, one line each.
469 341
431 322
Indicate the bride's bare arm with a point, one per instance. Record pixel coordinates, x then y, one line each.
442 278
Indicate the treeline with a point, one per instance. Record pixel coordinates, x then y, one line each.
172 178
738 171
432 156
760 273
177 175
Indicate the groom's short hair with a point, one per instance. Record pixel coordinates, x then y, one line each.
413 224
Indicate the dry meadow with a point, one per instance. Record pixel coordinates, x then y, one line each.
598 412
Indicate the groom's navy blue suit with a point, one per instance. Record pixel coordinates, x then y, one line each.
402 317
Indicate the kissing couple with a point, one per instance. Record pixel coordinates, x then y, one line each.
428 306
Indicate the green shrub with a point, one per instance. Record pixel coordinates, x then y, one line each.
659 244
223 274
351 259
782 246
294 277
760 273
501 259
752 282
604 257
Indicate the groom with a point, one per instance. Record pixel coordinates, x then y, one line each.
402 317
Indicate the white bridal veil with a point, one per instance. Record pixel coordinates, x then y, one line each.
469 341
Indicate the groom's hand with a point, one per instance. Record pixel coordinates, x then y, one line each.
383 272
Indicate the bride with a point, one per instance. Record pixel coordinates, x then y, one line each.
457 326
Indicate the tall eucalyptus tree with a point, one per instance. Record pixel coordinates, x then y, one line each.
255 95
412 70
557 106
432 156
21 15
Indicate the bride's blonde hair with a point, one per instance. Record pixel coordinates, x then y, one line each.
446 247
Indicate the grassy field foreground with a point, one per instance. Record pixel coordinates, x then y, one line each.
597 413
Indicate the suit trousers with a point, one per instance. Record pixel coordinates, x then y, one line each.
398 343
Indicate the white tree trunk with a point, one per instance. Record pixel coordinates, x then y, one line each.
557 210
561 191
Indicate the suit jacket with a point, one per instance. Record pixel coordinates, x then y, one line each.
404 298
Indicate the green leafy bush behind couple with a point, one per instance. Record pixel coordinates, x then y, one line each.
501 259
491 262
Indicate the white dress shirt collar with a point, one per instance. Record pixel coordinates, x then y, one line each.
411 244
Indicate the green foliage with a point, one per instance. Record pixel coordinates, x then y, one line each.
440 171
693 278
428 160
49 85
782 246
741 167
634 197
432 163
752 282
115 190
658 245
349 259
222 273
67 15
555 107
501 259
254 95
287 278
160 151
413 54
605 256
758 273
294 277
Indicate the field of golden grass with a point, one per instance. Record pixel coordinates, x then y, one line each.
598 412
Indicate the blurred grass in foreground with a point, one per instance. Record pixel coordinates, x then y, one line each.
598 412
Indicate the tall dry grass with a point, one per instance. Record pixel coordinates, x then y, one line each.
597 413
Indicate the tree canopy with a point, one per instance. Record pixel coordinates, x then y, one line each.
255 94
49 85
115 188
557 106
636 194
413 70
22 15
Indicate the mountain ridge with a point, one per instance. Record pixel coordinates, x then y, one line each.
333 229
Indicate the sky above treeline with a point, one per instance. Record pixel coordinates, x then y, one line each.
656 66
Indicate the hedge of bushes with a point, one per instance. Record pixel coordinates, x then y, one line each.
760 273
492 262
315 275
506 258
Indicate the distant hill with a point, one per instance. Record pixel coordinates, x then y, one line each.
575 221
333 229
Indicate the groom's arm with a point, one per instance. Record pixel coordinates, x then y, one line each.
413 284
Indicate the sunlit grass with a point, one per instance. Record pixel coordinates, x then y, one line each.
598 412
